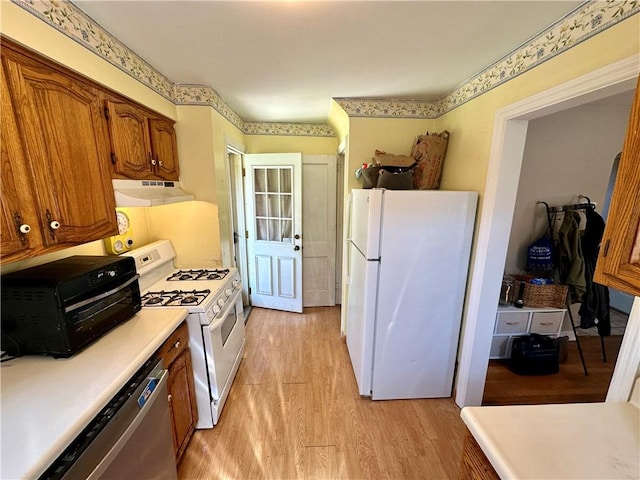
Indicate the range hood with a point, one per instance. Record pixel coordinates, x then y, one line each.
148 193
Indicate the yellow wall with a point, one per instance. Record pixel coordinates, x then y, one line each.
291 144
471 125
33 33
392 135
339 121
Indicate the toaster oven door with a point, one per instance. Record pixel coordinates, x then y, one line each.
91 317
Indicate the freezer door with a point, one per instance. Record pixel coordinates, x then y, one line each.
425 245
363 278
366 215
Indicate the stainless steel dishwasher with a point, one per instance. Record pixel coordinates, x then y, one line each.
129 439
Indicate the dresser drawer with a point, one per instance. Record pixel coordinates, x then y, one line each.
174 345
546 322
512 322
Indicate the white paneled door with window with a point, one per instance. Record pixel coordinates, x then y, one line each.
273 186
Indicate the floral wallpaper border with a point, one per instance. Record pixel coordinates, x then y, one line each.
589 19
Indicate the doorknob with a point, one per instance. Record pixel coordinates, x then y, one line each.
296 248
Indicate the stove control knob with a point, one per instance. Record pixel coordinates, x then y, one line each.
227 292
216 309
221 302
235 283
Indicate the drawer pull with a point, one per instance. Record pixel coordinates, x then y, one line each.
546 323
513 323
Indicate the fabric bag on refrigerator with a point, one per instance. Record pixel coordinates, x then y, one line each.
428 151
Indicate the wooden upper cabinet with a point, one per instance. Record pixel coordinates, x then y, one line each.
164 148
129 135
619 260
58 150
19 219
143 146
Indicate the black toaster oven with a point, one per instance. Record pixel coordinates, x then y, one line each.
61 307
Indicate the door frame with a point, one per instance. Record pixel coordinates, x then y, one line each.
235 180
503 173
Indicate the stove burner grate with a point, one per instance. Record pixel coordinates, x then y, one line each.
203 274
174 297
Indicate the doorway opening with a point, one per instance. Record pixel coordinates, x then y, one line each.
510 132
322 177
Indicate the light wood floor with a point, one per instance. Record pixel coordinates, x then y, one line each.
294 412
503 387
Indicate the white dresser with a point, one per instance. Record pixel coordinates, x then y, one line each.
514 322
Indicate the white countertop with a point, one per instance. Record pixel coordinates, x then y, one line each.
568 441
45 402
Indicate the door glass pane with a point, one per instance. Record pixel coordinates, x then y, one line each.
272 180
285 180
274 205
285 206
261 229
274 231
260 179
261 205
287 237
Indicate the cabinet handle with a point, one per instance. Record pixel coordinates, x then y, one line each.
513 323
53 224
177 344
546 323
23 228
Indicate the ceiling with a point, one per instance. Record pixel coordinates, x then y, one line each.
284 61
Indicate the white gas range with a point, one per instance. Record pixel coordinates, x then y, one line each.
215 321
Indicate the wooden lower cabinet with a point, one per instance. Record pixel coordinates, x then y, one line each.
176 357
474 465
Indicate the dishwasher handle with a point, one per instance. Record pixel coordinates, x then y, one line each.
145 407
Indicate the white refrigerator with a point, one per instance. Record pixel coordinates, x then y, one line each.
407 270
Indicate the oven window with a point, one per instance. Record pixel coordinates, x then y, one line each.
227 325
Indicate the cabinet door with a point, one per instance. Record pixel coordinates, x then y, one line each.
66 144
130 143
182 401
18 210
619 261
164 148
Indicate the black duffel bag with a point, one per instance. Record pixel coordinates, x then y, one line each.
534 354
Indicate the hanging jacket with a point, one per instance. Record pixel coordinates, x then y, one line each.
595 301
570 260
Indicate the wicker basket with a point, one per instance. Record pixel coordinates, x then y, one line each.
545 295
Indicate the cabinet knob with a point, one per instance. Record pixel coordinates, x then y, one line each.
169 398
160 163
54 225
296 248
177 344
24 228
153 162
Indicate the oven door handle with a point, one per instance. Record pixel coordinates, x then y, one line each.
95 298
223 313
